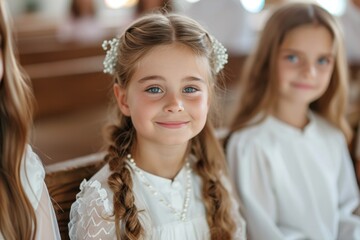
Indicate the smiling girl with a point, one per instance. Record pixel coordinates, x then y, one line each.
165 176
287 148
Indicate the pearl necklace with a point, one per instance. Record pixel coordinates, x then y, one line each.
179 214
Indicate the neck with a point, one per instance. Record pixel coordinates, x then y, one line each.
163 161
294 115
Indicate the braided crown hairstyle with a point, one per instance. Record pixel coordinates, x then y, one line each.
143 35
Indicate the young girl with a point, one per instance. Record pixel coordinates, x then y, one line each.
25 208
288 145
165 176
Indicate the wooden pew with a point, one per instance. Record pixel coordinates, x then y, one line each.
63 181
72 107
66 86
48 49
71 91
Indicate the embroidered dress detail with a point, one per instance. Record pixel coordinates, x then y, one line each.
97 212
181 215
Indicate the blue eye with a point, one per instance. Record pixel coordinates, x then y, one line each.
323 61
190 90
292 58
154 90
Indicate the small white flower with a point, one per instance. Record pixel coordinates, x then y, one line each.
111 55
220 54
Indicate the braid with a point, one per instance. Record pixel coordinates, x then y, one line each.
120 182
216 197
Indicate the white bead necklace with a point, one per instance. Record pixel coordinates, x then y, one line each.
179 214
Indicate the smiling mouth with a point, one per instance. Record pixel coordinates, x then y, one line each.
302 86
173 125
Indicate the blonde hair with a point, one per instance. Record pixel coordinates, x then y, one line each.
143 35
17 218
259 78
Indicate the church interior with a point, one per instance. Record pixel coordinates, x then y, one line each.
59 48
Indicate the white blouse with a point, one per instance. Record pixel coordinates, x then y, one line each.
91 214
295 184
32 176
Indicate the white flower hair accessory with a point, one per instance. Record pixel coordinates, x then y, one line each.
220 54
111 55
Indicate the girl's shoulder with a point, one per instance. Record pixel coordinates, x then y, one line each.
96 191
254 133
326 128
91 213
32 176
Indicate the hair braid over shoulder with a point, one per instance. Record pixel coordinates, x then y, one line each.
210 166
120 182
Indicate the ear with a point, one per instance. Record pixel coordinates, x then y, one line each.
120 95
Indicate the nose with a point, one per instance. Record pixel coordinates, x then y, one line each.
310 71
174 105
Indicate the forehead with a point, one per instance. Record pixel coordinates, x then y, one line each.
172 60
310 38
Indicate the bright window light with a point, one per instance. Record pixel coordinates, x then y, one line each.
253 6
192 1
335 7
115 4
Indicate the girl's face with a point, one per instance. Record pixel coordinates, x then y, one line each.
168 96
305 64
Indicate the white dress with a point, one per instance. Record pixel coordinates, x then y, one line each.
295 184
90 215
32 176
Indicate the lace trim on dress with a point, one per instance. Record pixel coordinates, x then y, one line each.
91 213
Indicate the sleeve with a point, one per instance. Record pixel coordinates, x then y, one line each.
47 227
32 178
252 176
90 214
349 199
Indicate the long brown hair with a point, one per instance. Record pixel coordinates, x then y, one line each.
17 218
259 79
146 33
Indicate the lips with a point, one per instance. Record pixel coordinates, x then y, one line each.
302 85
173 124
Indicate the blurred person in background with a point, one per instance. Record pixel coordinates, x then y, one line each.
351 25
82 25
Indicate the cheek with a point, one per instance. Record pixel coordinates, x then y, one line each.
325 76
281 73
141 106
200 107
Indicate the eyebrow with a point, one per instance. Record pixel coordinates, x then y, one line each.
299 52
158 77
